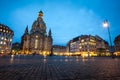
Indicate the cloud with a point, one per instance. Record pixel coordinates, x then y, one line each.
69 23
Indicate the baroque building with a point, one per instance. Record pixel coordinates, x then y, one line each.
37 41
6 36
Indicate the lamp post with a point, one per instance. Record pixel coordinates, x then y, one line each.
106 25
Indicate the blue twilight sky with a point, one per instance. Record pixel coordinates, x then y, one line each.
66 18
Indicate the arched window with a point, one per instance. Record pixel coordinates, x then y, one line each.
36 43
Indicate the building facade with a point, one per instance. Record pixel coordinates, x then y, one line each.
59 50
16 48
102 46
117 45
37 41
6 36
87 45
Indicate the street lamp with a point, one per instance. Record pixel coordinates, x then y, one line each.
106 25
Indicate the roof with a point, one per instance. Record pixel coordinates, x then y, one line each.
2 26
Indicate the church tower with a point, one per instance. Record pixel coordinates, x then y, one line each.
50 33
50 41
25 41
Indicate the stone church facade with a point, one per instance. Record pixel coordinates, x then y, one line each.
37 41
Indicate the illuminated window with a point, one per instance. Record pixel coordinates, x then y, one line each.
36 43
86 43
80 47
4 42
92 40
36 36
1 42
3 30
82 40
2 38
10 40
5 39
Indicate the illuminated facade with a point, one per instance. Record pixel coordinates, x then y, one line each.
74 45
6 35
37 42
16 48
117 45
102 46
87 45
59 50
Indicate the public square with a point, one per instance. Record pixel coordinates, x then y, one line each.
35 67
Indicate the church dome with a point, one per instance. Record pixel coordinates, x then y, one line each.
39 25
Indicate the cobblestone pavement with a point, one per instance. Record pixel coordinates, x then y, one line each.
59 68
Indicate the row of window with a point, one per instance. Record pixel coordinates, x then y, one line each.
87 50
6 34
87 47
5 39
3 42
6 31
82 50
86 43
83 43
84 47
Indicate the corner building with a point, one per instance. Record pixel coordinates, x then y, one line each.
37 41
87 45
6 36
